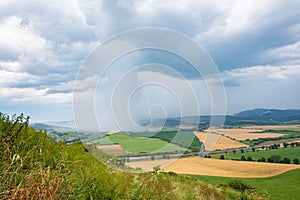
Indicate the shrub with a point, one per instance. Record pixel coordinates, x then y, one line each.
249 158
222 157
296 161
274 159
286 160
243 158
239 185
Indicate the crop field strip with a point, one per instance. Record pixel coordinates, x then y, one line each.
220 142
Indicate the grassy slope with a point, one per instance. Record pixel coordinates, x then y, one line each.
140 144
290 152
34 167
285 186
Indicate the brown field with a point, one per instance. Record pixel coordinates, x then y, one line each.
217 141
148 165
251 134
293 127
112 149
228 168
112 132
280 142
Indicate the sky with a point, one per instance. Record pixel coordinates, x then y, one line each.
255 46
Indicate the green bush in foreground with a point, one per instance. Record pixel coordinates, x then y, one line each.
32 166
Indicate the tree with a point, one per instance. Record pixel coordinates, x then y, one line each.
234 151
222 157
249 158
286 160
285 145
242 150
243 158
263 159
253 149
152 157
156 169
274 159
296 161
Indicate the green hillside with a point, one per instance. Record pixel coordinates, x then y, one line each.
285 186
32 166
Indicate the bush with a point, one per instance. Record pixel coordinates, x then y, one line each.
286 160
249 158
222 157
274 159
296 161
239 185
243 158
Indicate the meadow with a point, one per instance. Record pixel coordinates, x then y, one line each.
284 186
132 144
185 139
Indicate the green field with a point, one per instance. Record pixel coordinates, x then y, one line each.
133 144
285 186
184 139
290 152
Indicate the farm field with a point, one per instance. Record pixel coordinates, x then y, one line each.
228 168
185 139
244 134
216 141
112 149
284 186
274 127
280 141
148 165
139 144
214 167
290 152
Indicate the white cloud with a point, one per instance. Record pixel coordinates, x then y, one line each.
258 73
8 78
40 96
287 54
42 44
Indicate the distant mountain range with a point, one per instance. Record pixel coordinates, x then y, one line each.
258 116
270 114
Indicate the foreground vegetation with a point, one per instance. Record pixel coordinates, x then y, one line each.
32 166
285 186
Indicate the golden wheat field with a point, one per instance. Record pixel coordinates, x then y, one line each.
217 141
227 168
244 134
274 127
214 167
